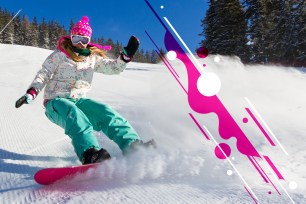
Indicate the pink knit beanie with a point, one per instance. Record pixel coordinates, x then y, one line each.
82 27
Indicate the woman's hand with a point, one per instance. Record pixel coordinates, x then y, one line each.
129 51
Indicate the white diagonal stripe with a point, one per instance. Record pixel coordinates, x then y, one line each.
230 163
266 126
179 37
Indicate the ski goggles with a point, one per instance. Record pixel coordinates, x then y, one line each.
76 39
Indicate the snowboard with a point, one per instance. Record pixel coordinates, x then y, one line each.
49 176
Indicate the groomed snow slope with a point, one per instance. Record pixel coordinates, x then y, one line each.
183 169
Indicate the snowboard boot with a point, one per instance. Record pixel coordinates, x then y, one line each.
140 144
92 155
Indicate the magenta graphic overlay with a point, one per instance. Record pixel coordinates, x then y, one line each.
266 176
259 171
260 127
165 59
251 195
225 148
279 175
202 52
162 58
166 62
202 104
227 127
199 126
245 120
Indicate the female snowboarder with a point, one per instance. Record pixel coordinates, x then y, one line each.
66 76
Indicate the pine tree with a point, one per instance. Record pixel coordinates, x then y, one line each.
225 29
34 35
2 24
70 26
273 30
18 37
54 31
117 48
210 27
154 57
101 41
268 21
283 34
43 39
26 30
110 42
8 33
301 38
147 57
137 56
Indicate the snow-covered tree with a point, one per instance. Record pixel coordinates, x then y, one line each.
224 29
18 35
147 57
26 31
54 34
301 33
43 39
70 26
8 33
154 57
34 34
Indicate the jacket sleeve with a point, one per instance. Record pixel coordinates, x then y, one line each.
46 72
109 66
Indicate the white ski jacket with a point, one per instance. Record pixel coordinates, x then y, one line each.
63 77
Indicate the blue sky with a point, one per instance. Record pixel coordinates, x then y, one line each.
121 19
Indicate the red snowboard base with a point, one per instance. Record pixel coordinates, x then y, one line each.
51 175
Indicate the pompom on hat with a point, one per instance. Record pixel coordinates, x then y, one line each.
82 27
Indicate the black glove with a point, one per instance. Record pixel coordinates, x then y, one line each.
129 51
27 98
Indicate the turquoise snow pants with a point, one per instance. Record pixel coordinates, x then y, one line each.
80 117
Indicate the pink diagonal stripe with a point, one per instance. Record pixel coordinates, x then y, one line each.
266 176
279 175
250 195
258 169
199 126
160 55
260 127
171 67
171 72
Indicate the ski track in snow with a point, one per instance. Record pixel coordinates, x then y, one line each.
183 169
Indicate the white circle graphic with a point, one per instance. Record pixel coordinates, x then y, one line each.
229 172
217 59
209 84
171 55
292 185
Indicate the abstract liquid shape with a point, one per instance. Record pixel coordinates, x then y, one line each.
225 149
202 52
202 104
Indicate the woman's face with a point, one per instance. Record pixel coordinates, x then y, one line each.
80 41
79 45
